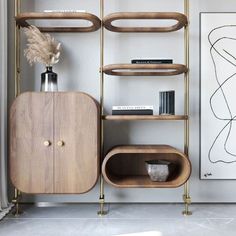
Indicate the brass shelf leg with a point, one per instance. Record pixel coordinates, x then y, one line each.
102 212
17 212
187 201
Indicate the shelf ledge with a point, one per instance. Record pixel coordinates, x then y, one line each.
145 117
181 19
21 20
144 69
124 166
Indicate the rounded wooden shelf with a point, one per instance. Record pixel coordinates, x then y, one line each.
124 166
144 69
22 18
144 117
181 19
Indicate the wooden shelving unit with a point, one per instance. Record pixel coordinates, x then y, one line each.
23 18
124 166
144 70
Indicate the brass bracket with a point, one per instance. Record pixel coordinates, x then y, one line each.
102 202
17 212
187 199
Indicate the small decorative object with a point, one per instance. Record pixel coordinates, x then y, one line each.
49 80
158 170
167 102
43 48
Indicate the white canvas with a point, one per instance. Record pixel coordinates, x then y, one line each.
218 95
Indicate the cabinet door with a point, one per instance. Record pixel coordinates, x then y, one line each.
76 135
31 138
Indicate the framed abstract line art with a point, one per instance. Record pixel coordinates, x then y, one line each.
218 95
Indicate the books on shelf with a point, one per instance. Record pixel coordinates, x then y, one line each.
132 110
64 11
152 61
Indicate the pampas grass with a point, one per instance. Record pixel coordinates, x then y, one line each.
41 48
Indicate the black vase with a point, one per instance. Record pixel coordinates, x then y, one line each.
49 80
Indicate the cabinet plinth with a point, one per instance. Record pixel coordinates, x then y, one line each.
144 69
181 21
124 166
23 18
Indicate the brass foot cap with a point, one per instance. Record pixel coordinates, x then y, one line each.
187 213
17 213
102 213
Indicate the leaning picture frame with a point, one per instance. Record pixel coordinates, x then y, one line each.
217 95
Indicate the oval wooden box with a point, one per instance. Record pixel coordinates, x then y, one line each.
124 166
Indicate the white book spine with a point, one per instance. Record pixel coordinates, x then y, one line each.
64 11
132 107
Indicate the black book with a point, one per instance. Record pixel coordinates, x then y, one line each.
152 61
132 112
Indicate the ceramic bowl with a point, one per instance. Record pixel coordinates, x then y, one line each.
158 170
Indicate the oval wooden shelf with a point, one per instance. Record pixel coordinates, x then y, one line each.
124 166
144 69
179 17
22 18
144 117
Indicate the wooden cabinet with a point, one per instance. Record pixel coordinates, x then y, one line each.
54 142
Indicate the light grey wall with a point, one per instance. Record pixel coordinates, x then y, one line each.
78 70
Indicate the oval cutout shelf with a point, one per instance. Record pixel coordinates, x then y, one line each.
124 166
22 18
144 69
179 17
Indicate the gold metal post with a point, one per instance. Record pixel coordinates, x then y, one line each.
17 89
186 196
17 50
102 212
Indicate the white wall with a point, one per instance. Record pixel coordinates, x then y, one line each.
78 70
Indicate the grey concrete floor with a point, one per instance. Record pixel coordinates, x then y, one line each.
123 219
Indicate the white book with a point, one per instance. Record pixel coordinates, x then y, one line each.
118 108
64 11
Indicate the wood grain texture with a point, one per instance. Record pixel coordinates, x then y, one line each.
71 166
124 166
144 69
22 18
31 162
181 19
144 117
76 166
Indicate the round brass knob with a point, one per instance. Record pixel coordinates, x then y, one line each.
60 143
47 143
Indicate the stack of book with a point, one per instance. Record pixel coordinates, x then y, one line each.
152 61
132 110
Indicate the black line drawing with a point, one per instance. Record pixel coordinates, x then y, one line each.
227 56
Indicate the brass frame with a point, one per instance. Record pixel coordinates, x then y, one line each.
186 195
